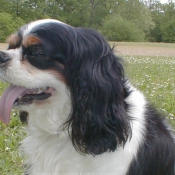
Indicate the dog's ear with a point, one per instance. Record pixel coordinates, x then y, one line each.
98 122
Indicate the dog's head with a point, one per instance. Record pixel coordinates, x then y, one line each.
49 63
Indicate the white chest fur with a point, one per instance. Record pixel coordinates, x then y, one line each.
50 151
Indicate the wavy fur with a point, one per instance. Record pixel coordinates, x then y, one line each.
95 122
98 122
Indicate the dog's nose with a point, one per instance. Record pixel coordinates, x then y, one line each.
3 57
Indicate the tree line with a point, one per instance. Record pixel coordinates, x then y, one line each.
118 20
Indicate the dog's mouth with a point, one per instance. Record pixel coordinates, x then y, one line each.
18 96
33 95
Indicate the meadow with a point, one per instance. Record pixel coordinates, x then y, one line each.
150 67
155 77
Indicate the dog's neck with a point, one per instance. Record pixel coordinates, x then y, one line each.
49 118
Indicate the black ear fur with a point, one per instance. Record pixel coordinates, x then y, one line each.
98 122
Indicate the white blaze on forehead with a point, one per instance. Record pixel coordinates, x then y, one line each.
31 25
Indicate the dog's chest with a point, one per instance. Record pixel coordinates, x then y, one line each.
53 155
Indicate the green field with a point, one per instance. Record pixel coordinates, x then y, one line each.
153 75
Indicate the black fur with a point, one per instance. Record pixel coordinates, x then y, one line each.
54 47
95 77
23 115
156 156
99 122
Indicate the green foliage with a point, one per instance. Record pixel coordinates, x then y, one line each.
117 28
8 24
163 16
168 31
157 15
70 11
153 20
85 13
137 12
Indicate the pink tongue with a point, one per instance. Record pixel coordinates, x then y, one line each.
6 102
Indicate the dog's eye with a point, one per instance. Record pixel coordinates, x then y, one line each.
32 51
35 52
30 54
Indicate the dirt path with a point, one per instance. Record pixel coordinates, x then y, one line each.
137 49
3 46
145 51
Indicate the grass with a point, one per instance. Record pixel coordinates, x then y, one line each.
11 163
154 76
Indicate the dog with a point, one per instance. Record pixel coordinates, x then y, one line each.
82 114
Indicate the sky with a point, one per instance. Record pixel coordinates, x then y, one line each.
163 1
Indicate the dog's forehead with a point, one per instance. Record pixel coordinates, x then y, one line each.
32 25
15 40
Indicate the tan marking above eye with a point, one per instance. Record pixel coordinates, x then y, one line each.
31 40
14 41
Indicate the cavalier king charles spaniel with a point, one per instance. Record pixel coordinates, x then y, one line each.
82 115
